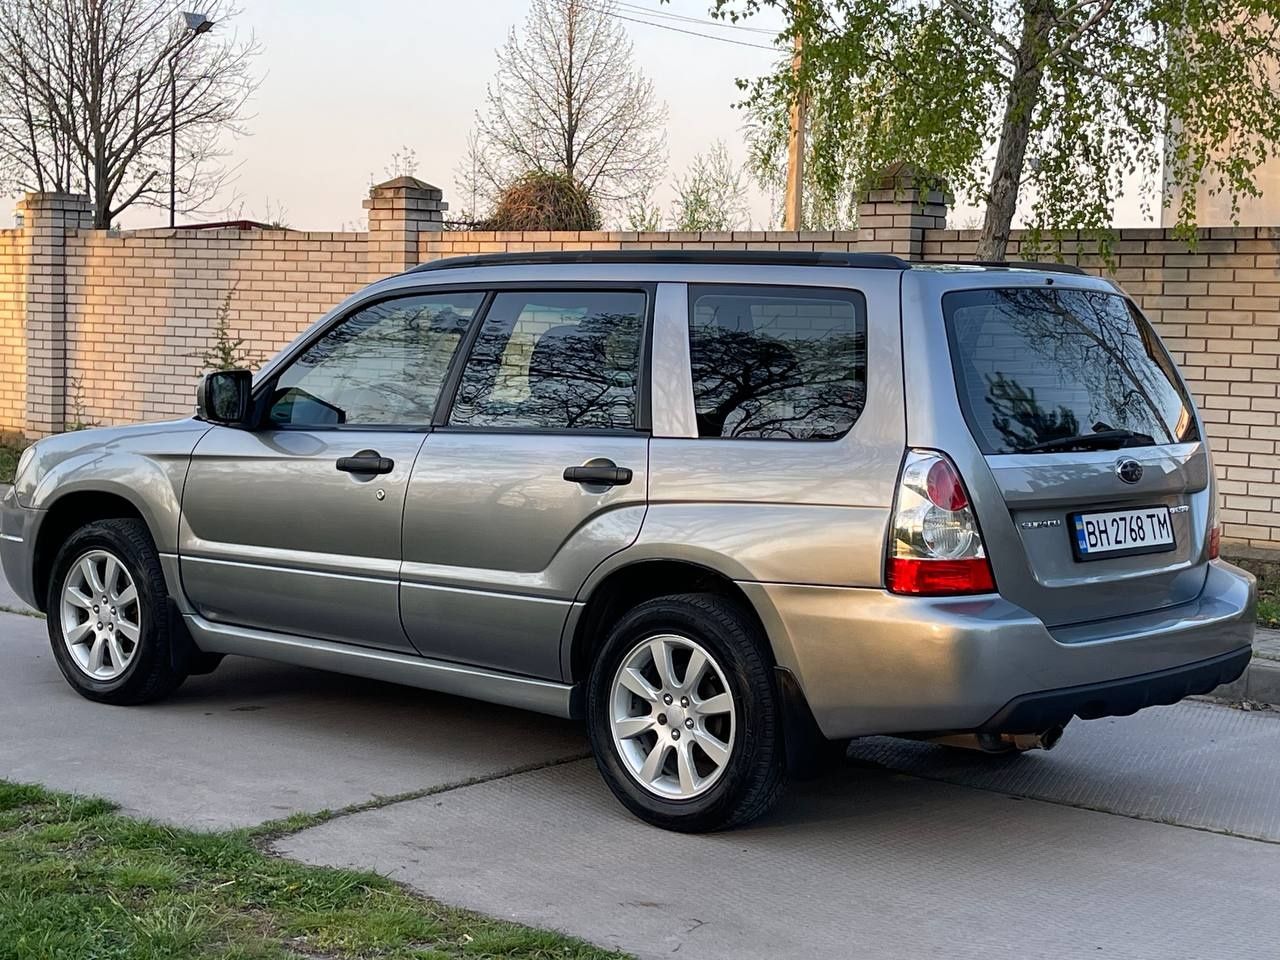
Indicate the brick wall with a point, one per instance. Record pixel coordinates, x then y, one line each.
138 308
13 343
141 308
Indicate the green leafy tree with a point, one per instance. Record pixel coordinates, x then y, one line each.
1058 102
228 351
712 195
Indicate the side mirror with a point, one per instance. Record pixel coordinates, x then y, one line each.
224 397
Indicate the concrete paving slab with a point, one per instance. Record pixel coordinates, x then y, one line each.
1195 763
253 741
863 863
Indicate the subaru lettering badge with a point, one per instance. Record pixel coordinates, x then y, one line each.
1130 471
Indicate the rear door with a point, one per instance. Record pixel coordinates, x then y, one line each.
536 476
1096 498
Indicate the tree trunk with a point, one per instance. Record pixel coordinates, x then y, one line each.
1011 152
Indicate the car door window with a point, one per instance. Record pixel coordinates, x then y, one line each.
777 363
555 361
384 365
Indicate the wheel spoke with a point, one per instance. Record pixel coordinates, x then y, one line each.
634 681
661 653
694 671
89 570
717 751
76 633
126 596
129 630
630 727
110 576
77 599
118 659
684 765
720 703
653 763
95 654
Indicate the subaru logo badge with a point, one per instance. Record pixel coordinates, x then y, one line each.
1130 471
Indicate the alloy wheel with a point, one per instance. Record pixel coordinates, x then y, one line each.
672 717
100 615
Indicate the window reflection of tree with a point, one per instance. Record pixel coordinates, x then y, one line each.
777 380
1095 346
1020 418
581 374
386 363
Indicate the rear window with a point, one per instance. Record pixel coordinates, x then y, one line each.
1036 367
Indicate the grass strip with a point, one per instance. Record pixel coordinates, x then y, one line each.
79 880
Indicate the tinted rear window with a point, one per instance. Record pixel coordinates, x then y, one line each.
1035 365
777 363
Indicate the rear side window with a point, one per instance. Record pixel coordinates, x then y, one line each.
1039 370
777 363
555 361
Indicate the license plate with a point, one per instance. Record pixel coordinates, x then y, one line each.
1121 533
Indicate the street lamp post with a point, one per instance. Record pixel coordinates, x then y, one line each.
195 25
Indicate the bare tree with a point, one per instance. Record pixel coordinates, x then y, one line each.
568 99
90 91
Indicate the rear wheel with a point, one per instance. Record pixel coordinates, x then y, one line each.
683 714
108 619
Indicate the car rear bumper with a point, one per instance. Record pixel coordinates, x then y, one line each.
17 545
871 662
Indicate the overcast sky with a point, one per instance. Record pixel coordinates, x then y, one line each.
349 82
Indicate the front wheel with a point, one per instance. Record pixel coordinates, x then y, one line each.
683 714
107 615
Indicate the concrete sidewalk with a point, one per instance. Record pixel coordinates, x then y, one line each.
253 741
863 863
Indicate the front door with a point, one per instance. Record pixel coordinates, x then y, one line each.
296 527
538 476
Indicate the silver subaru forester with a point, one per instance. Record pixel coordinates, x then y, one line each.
727 507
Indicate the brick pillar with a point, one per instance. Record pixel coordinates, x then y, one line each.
893 217
399 210
47 219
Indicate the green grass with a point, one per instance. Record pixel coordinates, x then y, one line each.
11 448
1268 574
77 881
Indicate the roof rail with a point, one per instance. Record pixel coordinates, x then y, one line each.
1020 265
792 258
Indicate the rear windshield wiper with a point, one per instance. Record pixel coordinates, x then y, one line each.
1102 440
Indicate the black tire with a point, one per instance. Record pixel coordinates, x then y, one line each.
755 774
151 673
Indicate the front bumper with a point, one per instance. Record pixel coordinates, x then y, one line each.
17 545
870 662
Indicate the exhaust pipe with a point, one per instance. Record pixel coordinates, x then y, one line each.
997 743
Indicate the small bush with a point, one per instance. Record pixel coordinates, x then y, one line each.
544 201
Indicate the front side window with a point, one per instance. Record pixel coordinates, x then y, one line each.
384 365
1041 370
777 363
555 361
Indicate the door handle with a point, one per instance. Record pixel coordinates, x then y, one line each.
367 462
604 473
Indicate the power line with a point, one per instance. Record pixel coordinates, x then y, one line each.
692 33
700 21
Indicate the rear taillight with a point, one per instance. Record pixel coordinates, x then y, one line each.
936 547
1215 528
